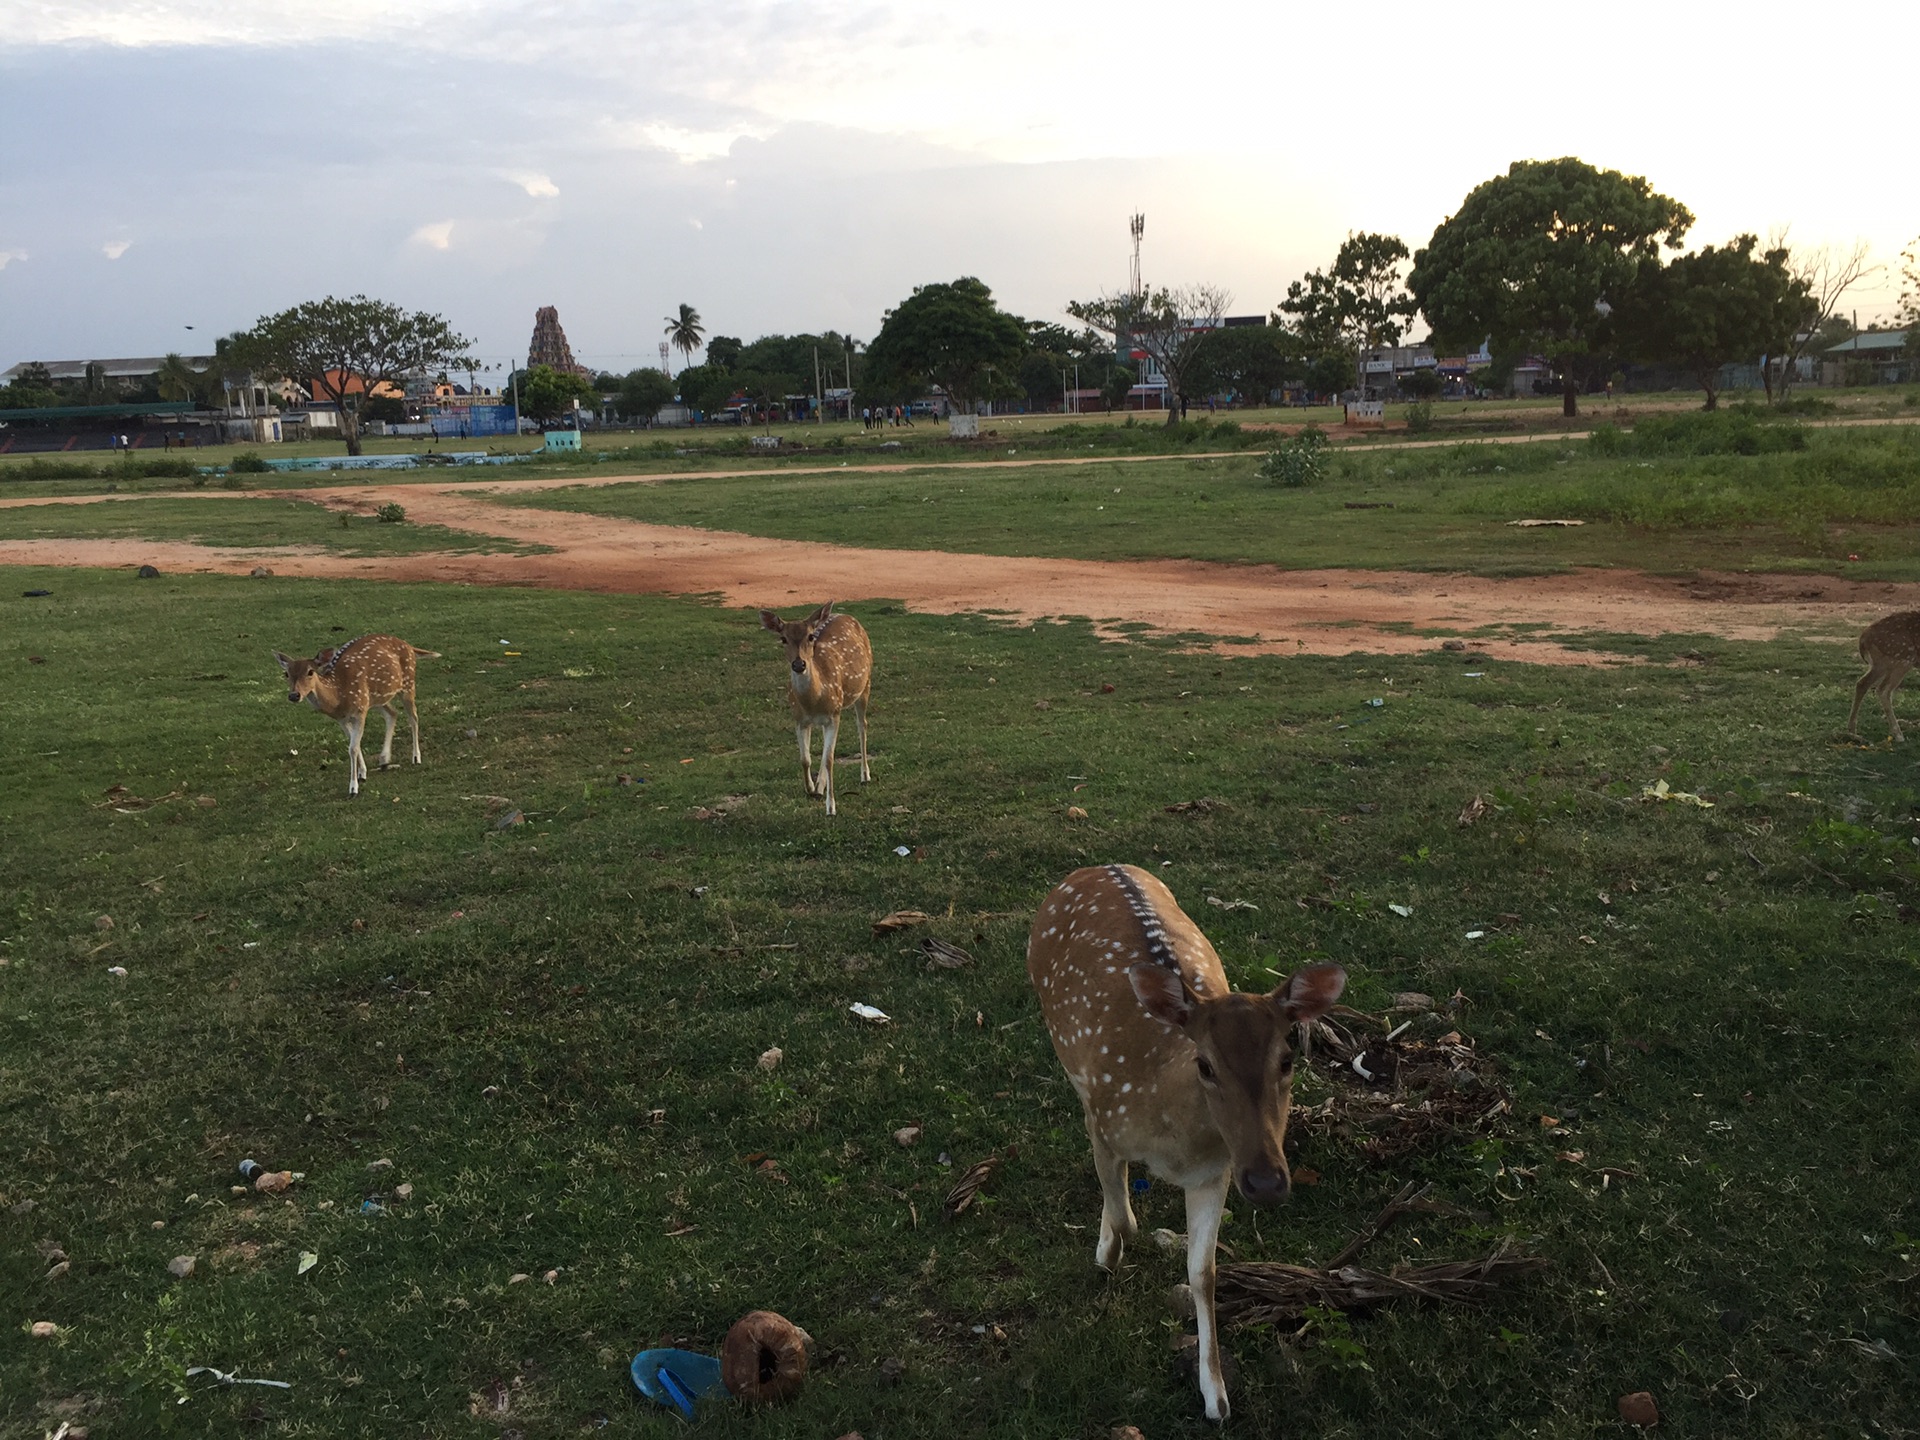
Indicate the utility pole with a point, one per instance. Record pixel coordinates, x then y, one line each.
819 394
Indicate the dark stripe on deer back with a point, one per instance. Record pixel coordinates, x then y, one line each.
1158 943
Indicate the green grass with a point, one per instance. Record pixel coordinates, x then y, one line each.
709 447
262 521
318 983
1848 493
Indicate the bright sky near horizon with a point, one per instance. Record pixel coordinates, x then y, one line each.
786 167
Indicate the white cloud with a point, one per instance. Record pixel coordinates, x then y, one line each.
145 23
437 236
689 147
7 257
536 184
114 249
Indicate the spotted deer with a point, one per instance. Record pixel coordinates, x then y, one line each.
1891 647
1173 1069
829 667
346 682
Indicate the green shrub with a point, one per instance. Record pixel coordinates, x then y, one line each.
1420 417
248 462
171 467
390 513
38 469
1739 431
1299 460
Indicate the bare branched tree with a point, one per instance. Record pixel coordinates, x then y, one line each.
1167 325
1828 272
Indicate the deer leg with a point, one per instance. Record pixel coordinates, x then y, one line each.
1859 694
352 726
860 719
829 733
413 720
804 733
1205 1203
386 746
1887 687
1117 1225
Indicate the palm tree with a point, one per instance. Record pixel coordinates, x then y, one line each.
685 332
177 379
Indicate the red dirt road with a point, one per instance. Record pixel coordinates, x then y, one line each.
1287 611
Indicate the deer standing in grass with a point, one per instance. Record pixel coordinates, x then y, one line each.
829 667
1172 1068
1891 647
344 683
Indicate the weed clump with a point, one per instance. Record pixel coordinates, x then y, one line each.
390 513
247 462
1297 461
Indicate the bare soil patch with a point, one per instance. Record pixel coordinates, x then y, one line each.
1254 608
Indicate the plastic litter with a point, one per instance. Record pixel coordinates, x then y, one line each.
677 1378
119 970
1476 934
903 850
869 1014
307 1261
227 1377
1377 704
1403 911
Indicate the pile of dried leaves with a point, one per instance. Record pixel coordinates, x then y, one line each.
1268 1292
1393 1092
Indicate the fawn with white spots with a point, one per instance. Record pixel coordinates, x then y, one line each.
829 667
1172 1068
1891 647
344 683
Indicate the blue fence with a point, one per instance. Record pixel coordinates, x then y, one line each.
473 422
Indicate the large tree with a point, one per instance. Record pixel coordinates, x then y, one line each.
953 336
1251 360
547 394
1712 308
642 393
1360 298
344 348
1535 259
1826 273
1167 326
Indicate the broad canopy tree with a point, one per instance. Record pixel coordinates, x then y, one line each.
547 394
1714 307
953 336
642 393
1358 302
345 348
1535 260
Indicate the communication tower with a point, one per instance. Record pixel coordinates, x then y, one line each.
1137 225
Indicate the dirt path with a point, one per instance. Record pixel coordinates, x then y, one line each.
1285 611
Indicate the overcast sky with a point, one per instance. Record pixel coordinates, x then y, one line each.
789 167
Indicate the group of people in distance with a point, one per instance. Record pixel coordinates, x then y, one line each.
872 415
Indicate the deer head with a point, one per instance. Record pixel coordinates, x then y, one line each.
799 636
303 676
1243 1056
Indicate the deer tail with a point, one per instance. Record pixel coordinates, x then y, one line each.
420 654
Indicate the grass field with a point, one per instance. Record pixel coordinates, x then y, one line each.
707 447
245 523
1845 503
551 1030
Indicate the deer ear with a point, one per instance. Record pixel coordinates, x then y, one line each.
770 621
1311 993
286 661
1162 993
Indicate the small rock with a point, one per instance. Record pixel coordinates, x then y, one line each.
492 1092
358 925
1043 705
260 572
509 820
1074 812
44 1329
50 1250
1106 689
473 734
907 1135
403 1193
147 572
1180 1297
1639 1409
770 1058
551 1276
59 1270
374 1167
159 1225
21 1207
1169 1240
1453 644
103 922
1125 1432
181 1266
273 1181
518 1279
891 1370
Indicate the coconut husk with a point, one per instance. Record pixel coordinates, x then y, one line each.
764 1358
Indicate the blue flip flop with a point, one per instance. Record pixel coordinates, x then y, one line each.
677 1378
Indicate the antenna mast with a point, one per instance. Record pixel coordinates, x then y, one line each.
1137 225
